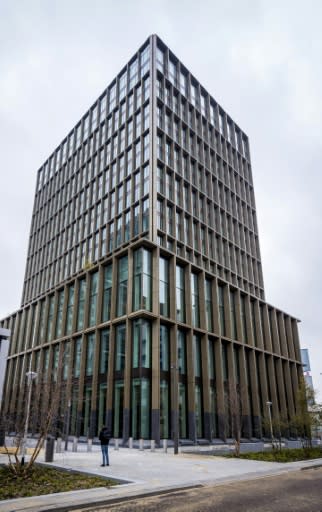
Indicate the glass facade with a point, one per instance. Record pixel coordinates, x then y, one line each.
141 262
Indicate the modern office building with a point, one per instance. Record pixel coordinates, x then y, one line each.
143 287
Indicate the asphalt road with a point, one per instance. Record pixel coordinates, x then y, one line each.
299 491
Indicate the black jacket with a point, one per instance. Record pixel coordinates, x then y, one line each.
104 436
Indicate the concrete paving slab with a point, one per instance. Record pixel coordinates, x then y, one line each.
147 472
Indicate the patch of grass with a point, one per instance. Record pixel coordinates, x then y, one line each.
284 455
45 480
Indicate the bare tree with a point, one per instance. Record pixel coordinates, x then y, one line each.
40 413
234 414
303 421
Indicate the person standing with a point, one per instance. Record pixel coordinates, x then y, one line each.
105 437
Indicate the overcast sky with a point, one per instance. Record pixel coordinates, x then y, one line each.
261 60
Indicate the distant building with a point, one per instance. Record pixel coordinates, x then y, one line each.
143 286
4 349
306 367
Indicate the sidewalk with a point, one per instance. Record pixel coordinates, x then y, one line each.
147 472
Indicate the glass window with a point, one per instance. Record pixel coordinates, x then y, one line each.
104 351
183 83
120 341
112 98
182 410
66 360
164 409
146 88
182 352
180 294
221 306
145 215
208 300
224 355
77 356
122 286
236 364
211 359
59 318
141 356
198 411
86 409
111 237
160 180
195 300
122 85
164 286
136 221
169 220
197 355
107 293
142 289
221 123
55 362
93 299
81 304
42 320
160 215
127 225
164 348
133 73
233 315
141 408
118 408
160 59
50 317
253 313
243 317
172 72
145 56
90 354
45 361
102 393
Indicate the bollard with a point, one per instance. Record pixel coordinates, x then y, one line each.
152 445
2 436
89 445
49 450
131 443
58 445
141 447
116 444
165 445
74 449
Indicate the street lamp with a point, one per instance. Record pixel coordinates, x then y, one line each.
269 405
175 384
30 377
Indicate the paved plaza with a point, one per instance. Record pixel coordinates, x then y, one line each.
145 472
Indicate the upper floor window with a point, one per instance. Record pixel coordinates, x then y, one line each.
160 60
